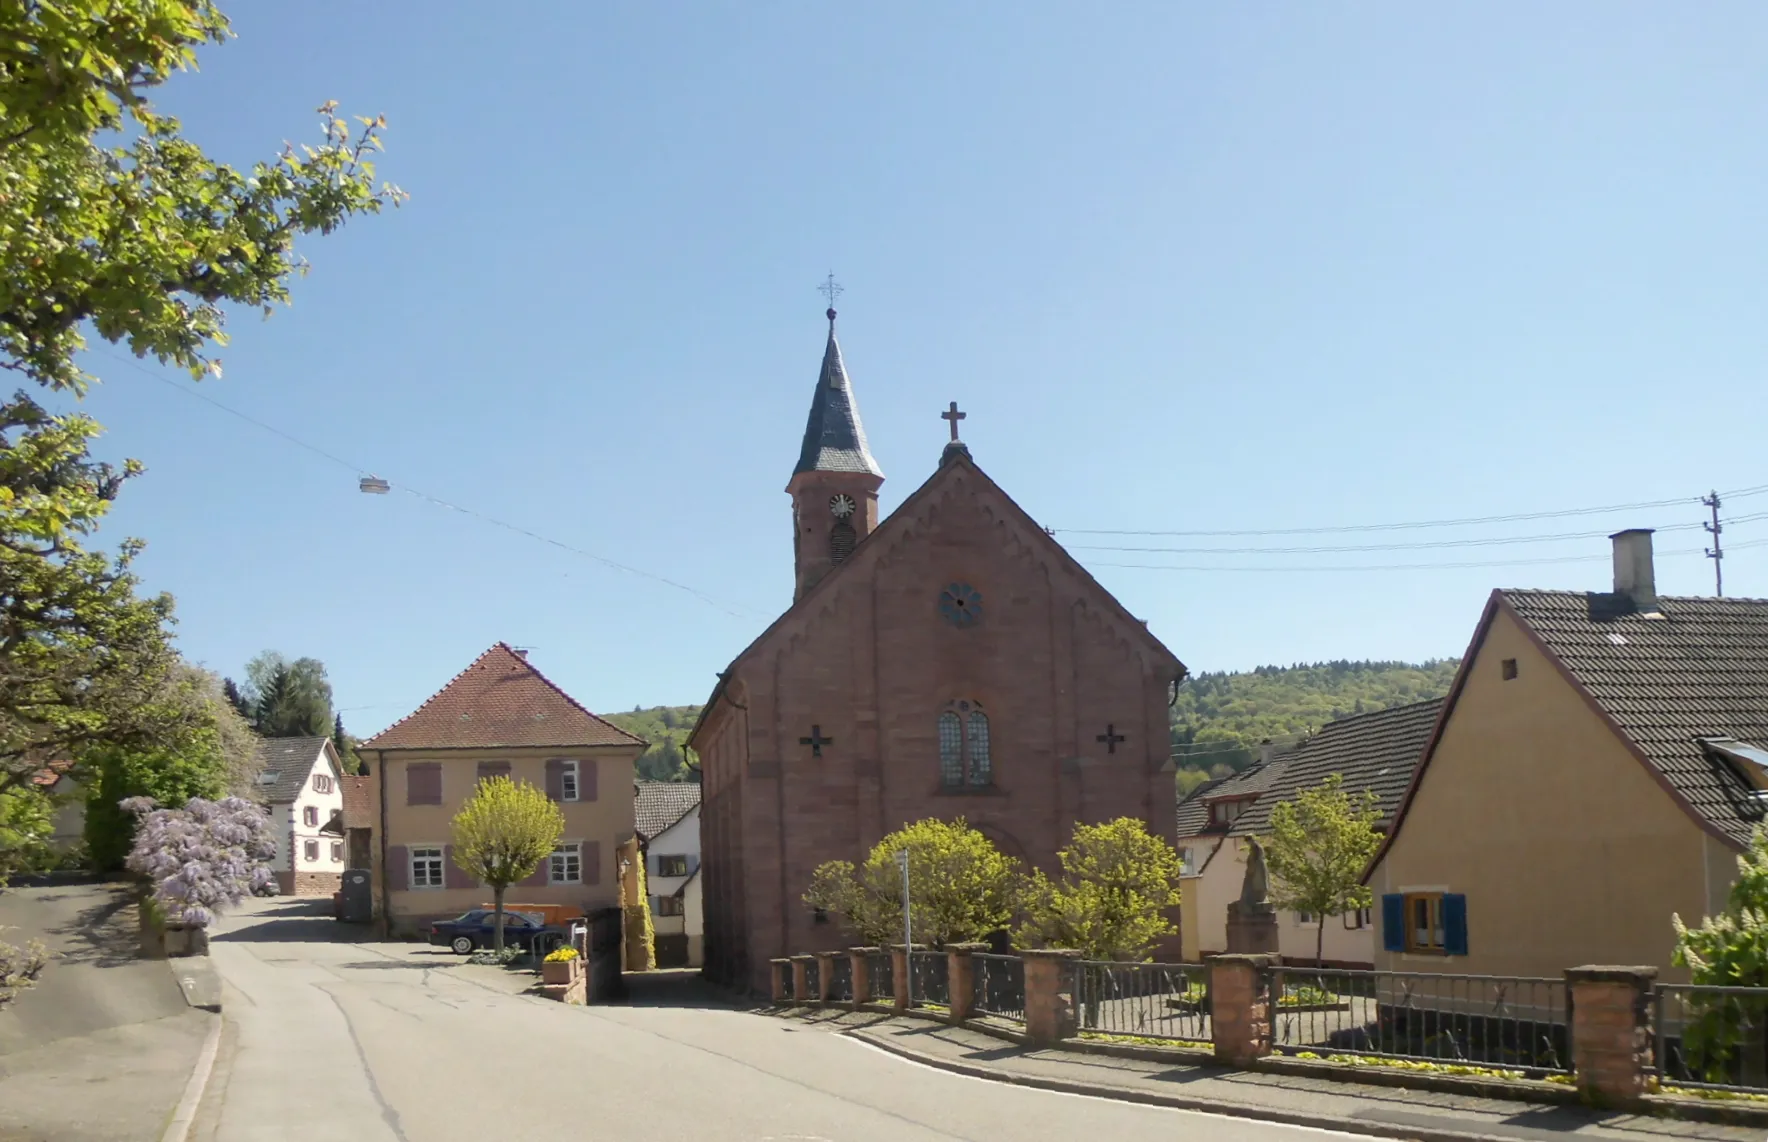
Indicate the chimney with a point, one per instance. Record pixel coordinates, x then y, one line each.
1634 576
1266 750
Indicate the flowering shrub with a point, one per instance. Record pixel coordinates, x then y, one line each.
563 954
19 967
202 856
493 958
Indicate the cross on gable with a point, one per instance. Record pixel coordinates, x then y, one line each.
1110 737
952 416
816 741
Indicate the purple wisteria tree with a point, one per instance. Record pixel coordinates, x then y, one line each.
202 856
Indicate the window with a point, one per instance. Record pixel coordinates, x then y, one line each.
1187 862
1509 666
1357 919
1305 918
310 850
672 866
1225 812
819 916
337 852
669 906
963 746
568 781
322 783
310 816
1424 923
566 865
426 868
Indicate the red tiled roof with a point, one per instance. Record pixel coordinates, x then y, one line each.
500 700
51 773
358 803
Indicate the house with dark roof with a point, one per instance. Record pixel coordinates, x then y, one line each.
1374 752
1601 760
668 822
299 782
500 717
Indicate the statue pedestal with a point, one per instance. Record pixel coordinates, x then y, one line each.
1252 928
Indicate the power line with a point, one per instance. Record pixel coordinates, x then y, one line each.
1393 566
425 496
1427 545
1467 521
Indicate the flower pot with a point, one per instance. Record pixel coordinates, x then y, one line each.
560 971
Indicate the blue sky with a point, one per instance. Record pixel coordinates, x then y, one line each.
1189 267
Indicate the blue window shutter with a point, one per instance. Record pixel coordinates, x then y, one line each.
1455 925
1393 922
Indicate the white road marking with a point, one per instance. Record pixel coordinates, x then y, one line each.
1242 1121
185 1114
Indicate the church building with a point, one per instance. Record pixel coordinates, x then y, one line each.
949 661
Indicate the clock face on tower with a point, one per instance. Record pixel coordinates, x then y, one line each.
841 506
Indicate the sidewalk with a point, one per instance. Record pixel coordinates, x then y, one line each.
1388 1112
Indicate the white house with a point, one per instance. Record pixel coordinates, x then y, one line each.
1375 752
299 782
667 817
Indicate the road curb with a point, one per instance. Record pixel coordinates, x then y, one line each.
1367 1127
179 1128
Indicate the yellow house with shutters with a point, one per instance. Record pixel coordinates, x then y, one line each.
1598 765
498 717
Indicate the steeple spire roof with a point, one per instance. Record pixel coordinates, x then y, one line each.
834 439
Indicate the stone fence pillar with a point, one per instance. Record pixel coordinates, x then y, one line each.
960 976
1240 1007
1611 1032
801 978
899 972
1049 995
782 980
825 974
860 963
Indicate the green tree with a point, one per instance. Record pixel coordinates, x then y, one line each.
960 886
289 699
345 745
1728 950
1321 843
113 222
502 834
27 816
200 748
1118 882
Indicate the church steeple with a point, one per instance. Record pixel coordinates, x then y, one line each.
834 487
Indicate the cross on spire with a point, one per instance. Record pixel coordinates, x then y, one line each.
1110 738
816 741
952 416
831 289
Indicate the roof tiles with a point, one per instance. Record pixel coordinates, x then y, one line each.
660 804
498 701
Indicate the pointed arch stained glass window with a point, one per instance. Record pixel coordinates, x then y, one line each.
963 746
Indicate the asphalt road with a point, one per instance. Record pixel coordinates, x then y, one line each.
383 1042
100 1049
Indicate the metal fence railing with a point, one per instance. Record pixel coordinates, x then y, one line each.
812 980
1154 1001
929 979
998 986
1507 1022
785 974
1711 1038
878 977
841 978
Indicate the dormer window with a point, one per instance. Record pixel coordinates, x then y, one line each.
1225 812
1746 759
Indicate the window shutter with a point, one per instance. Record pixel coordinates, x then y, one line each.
1455 924
490 769
592 862
398 868
586 779
453 876
423 783
555 779
537 878
1393 923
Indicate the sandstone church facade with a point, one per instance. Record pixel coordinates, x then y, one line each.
951 660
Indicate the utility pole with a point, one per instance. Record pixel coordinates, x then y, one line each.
1716 552
908 940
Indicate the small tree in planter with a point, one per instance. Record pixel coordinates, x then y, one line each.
200 857
502 834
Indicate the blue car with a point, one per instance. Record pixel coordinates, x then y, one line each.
473 930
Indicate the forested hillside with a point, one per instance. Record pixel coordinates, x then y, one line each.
1218 721
1220 718
665 727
